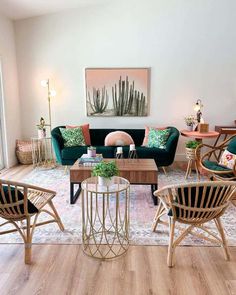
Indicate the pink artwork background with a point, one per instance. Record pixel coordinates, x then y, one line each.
108 77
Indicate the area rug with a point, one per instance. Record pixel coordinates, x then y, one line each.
142 211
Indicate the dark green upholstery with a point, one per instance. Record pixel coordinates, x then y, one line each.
31 208
232 146
185 200
67 156
214 166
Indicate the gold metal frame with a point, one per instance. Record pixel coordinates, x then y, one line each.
105 224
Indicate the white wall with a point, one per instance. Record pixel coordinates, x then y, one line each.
189 45
10 90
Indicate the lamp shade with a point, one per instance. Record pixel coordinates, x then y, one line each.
44 83
53 93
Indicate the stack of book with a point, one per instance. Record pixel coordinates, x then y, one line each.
85 160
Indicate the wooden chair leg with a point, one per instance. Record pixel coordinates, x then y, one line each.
224 241
171 249
164 170
28 242
159 211
58 219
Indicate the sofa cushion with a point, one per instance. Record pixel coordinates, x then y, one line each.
85 130
31 208
214 166
158 138
147 129
118 138
73 153
98 135
72 136
232 146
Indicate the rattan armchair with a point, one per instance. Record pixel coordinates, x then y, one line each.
208 161
20 204
194 204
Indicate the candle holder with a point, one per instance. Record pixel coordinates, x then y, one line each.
119 155
119 152
133 154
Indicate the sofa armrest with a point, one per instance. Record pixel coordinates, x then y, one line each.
57 142
172 141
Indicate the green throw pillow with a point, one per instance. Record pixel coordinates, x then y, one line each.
72 136
158 138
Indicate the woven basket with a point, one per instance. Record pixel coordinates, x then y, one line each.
24 157
190 154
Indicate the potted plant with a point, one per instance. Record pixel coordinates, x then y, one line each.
105 171
190 122
41 128
191 146
91 151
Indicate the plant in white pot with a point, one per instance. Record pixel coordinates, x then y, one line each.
41 128
191 146
190 122
105 171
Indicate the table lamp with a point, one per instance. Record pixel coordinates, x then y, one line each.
198 108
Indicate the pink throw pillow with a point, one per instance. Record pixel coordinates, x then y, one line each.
85 130
118 138
145 140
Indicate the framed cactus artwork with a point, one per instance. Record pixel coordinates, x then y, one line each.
117 92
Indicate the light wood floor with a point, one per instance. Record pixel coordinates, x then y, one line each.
64 269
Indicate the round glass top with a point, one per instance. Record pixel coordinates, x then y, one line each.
117 184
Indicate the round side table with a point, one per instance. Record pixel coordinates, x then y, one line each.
42 153
105 218
198 136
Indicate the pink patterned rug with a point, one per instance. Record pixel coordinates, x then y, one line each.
142 212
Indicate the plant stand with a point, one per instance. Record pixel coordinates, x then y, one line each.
190 155
105 218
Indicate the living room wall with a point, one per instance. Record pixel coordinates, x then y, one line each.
11 103
189 45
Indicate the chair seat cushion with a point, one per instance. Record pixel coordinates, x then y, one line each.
214 166
193 192
31 208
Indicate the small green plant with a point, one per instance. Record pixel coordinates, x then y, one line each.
105 169
190 120
192 144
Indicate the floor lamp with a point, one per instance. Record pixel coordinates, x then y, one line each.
50 93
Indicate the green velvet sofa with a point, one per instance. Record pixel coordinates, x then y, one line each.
68 155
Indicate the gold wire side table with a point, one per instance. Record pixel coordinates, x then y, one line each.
42 153
105 218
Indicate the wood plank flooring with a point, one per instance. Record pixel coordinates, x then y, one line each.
64 269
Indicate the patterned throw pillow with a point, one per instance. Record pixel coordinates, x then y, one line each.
158 138
147 128
227 159
86 133
72 136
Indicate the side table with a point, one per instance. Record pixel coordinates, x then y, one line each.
198 136
42 153
105 218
